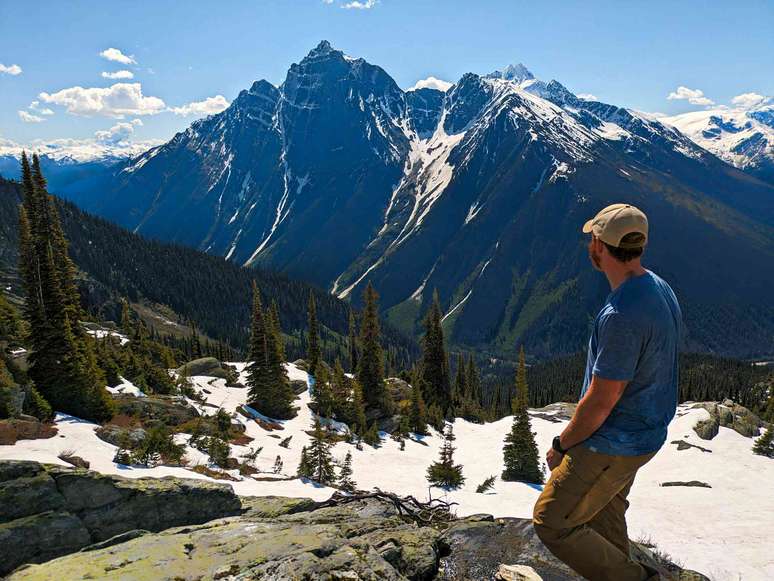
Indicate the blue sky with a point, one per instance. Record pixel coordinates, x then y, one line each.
628 53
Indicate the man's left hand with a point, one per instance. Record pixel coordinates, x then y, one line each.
553 458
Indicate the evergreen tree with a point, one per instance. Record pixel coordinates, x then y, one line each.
435 364
486 485
340 394
520 453
473 381
765 444
313 354
267 379
346 483
444 473
418 412
322 394
352 342
371 437
460 393
304 466
62 363
258 373
319 457
278 463
370 370
358 409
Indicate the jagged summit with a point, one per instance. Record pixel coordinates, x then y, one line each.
518 73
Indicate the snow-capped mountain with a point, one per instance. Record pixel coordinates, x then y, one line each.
339 177
744 138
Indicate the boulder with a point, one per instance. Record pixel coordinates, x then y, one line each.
398 389
118 436
707 429
206 366
13 430
728 415
298 386
168 409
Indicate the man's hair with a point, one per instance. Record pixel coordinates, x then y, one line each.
627 254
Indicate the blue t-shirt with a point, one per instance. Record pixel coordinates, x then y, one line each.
635 339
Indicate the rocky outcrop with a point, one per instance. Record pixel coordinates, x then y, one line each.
728 415
208 367
47 511
169 410
27 428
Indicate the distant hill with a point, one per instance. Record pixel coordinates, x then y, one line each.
206 289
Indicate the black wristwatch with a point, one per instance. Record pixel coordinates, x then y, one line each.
557 445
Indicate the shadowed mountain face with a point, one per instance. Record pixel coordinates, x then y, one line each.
340 177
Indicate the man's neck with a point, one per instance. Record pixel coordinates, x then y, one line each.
618 276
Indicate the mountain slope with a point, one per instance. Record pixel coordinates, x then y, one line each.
339 177
206 289
745 139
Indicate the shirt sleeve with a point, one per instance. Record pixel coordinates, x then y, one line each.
619 346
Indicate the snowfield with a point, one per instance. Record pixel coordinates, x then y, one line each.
723 531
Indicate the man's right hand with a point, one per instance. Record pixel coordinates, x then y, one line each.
553 458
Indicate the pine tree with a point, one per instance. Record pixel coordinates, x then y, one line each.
304 466
313 354
473 381
346 483
258 373
340 394
352 343
319 457
418 412
765 444
322 394
460 393
370 370
267 378
62 363
444 473
435 363
358 409
520 453
371 437
486 485
278 463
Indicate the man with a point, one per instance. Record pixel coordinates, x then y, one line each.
629 397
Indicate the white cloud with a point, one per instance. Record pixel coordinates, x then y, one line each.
587 97
118 134
115 55
749 100
78 149
124 74
357 5
29 117
114 101
327 1
693 96
10 70
35 106
209 106
432 83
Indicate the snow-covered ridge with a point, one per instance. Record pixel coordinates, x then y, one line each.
737 136
738 506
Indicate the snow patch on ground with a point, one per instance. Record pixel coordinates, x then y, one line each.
722 531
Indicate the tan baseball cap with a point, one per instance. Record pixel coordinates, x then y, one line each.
614 222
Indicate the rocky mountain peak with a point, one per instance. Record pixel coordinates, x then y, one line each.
518 73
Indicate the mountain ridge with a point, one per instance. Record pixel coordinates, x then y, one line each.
340 177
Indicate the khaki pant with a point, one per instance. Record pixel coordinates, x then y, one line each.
580 515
